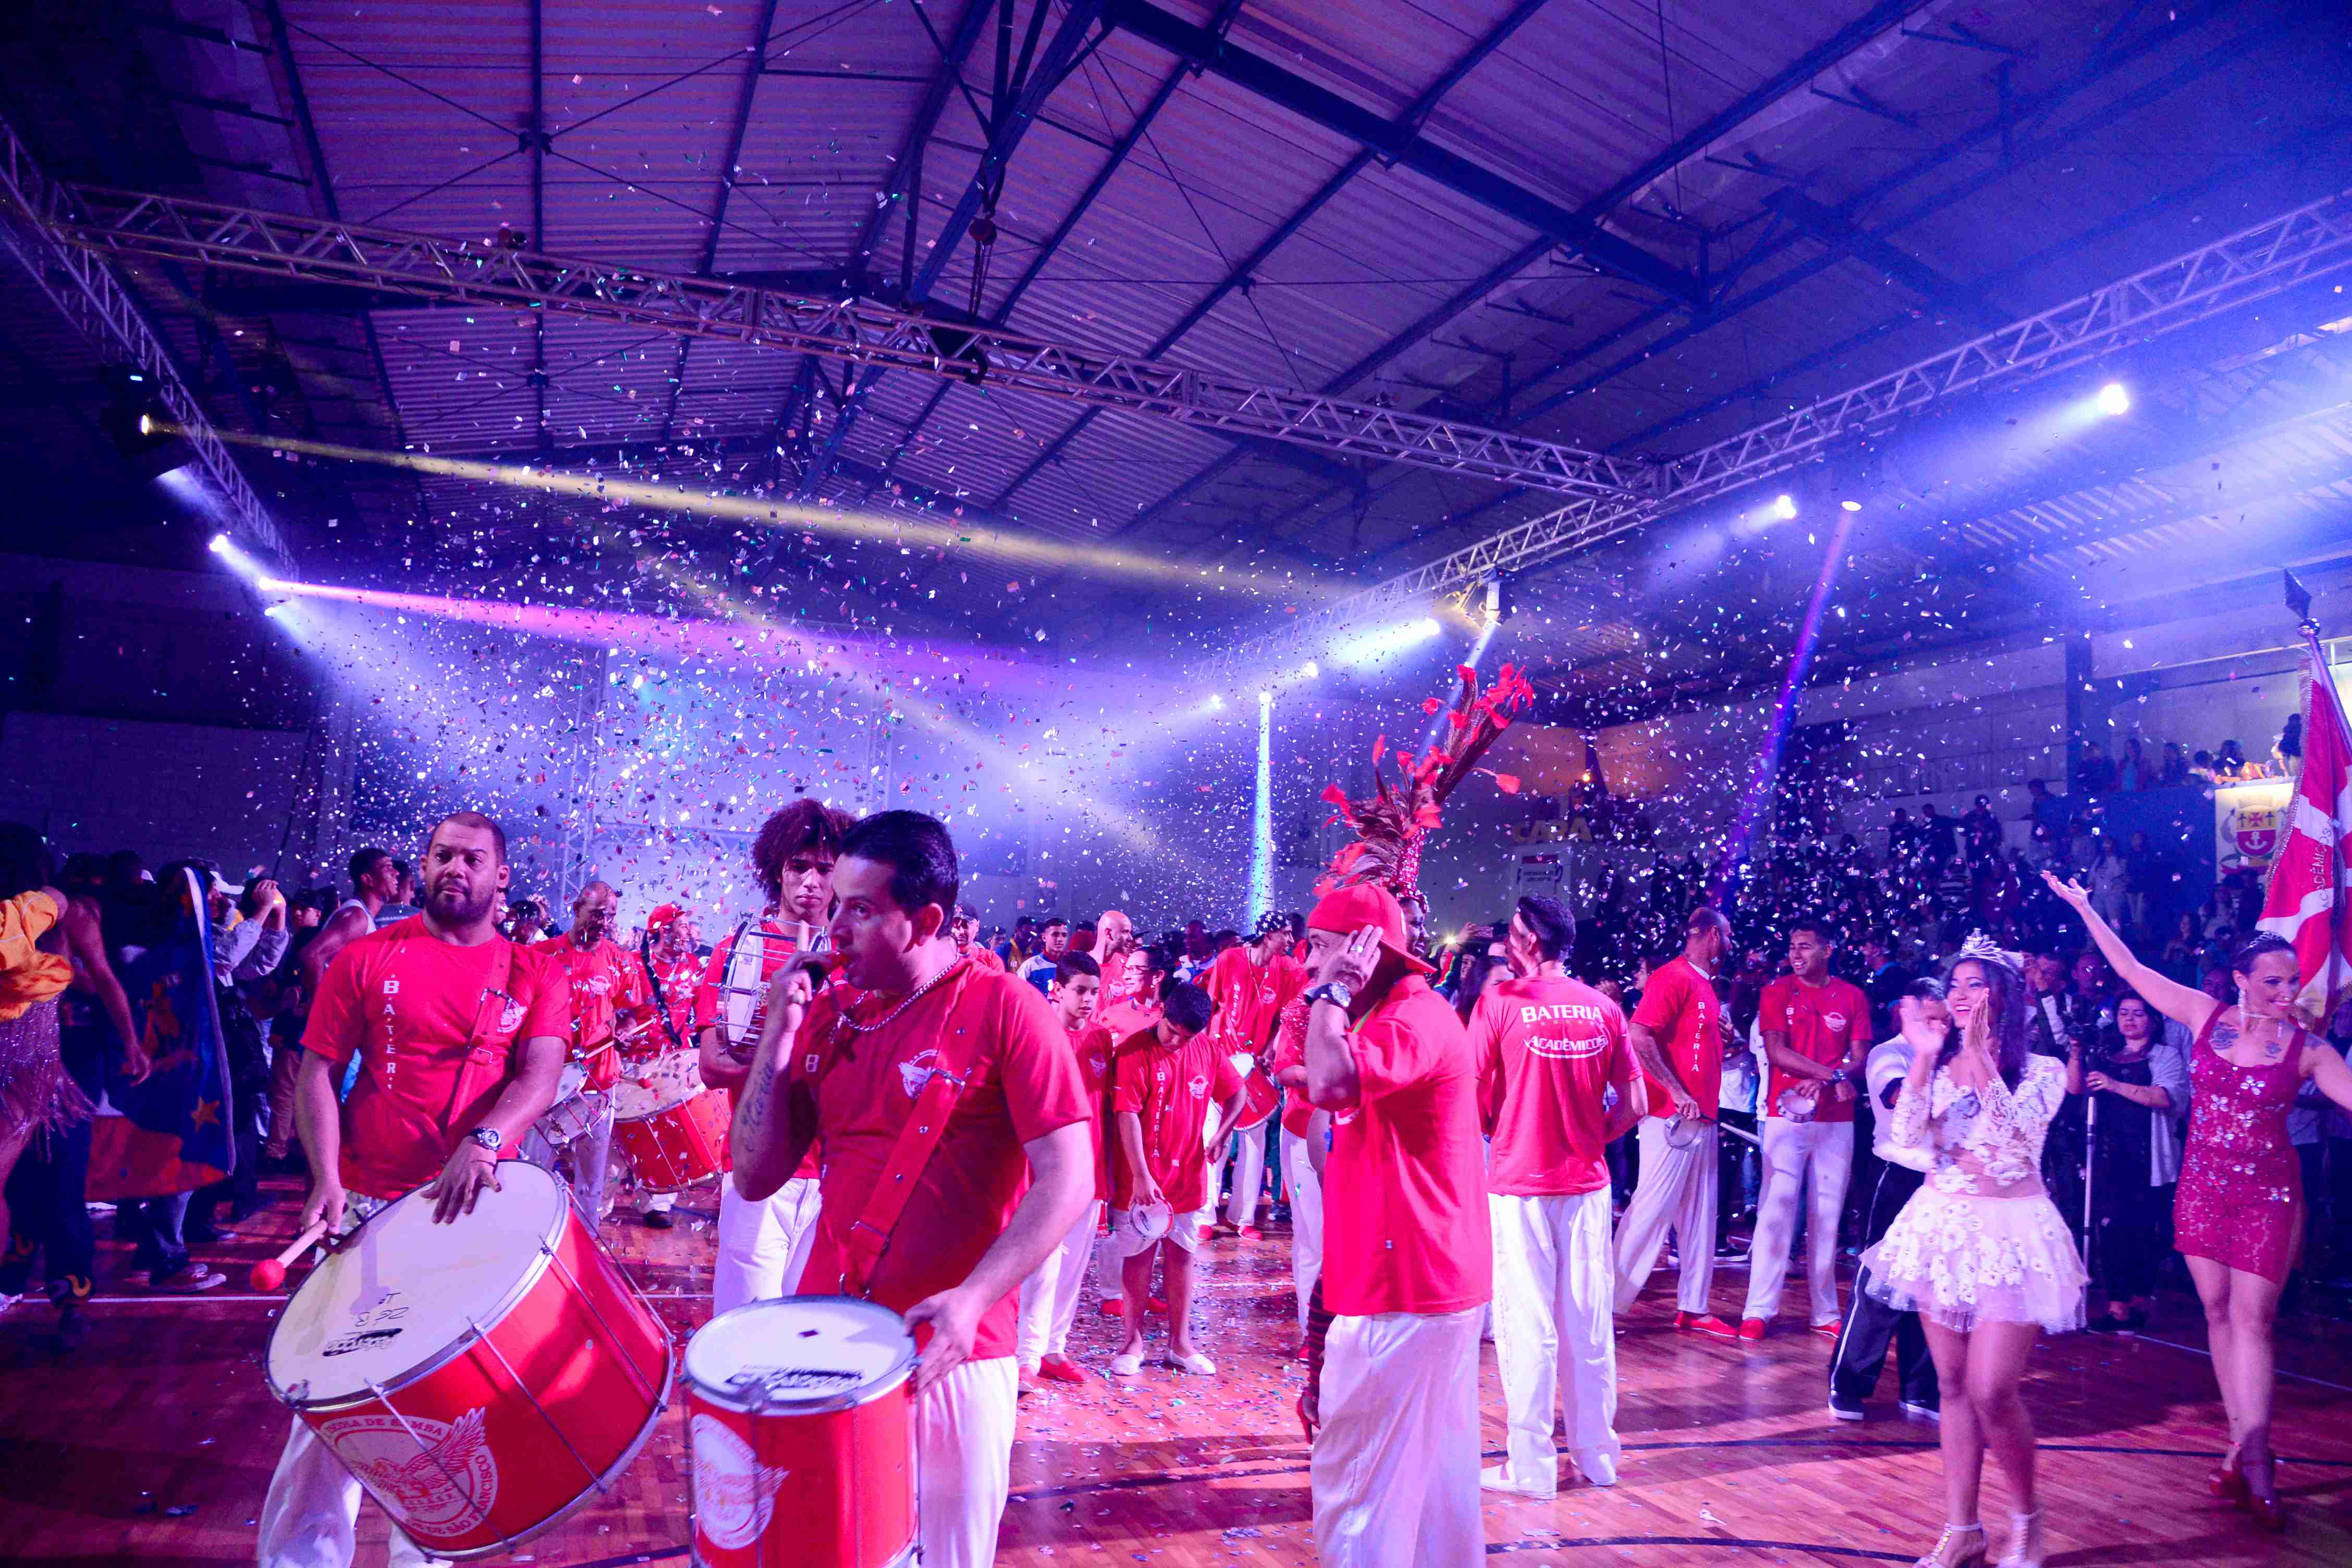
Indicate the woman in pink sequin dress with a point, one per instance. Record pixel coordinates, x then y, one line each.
2238 1218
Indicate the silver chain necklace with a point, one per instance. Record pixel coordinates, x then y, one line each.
913 996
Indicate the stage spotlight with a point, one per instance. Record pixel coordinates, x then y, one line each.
1266 698
1311 670
1498 602
1216 701
1784 509
2114 399
1384 642
221 545
1851 505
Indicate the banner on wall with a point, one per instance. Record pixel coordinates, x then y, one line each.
2250 823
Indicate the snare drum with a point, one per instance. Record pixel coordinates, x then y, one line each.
672 1130
576 1109
483 1379
800 1419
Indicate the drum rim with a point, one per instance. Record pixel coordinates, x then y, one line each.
477 1330
886 1384
596 1489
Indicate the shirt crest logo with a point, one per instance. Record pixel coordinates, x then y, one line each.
916 1070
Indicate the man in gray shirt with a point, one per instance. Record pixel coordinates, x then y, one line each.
1871 1323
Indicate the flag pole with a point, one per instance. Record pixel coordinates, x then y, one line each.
2298 602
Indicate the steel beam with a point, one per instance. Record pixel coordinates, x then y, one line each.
1400 144
2256 263
86 292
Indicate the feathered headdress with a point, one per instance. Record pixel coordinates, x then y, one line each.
1391 824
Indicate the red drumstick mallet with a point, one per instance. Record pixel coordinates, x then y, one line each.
270 1273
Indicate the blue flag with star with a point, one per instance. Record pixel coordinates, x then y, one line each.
169 1133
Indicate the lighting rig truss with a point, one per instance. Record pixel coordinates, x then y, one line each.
86 292
2250 265
859 332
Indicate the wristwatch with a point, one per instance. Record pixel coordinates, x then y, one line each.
1332 991
489 1137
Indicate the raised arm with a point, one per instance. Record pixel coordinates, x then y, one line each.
2188 1007
775 1115
2325 1066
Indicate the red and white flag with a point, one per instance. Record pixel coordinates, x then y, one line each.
2309 879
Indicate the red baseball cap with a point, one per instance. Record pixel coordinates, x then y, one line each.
1347 910
662 916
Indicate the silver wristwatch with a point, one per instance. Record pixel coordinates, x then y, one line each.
489 1137
1332 991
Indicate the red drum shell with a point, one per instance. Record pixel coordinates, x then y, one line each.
679 1148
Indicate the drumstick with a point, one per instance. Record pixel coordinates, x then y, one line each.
270 1273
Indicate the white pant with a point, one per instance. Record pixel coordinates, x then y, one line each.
1788 1148
1676 1189
1249 1176
588 1157
310 1518
963 1442
1555 1281
1049 1297
1109 1279
1395 1467
1306 1219
763 1245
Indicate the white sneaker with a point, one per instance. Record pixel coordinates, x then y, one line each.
1126 1365
1845 1412
1928 1411
1497 1478
1192 1360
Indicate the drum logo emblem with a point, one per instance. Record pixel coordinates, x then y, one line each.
734 1494
444 1490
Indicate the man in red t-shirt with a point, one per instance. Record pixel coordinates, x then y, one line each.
460 1036
1166 1085
842 1071
610 997
674 967
1251 984
1816 1032
1551 1055
1049 1297
1677 1035
1408 1256
760 1244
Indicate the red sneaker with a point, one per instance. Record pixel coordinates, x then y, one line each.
1250 1233
1156 1305
1111 1309
1208 1233
1706 1323
1751 1328
1061 1369
1828 1331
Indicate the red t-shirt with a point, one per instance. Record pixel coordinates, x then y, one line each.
1290 1051
1548 1046
1404 1192
409 1004
1680 1009
1250 997
607 985
1170 1092
1120 976
1822 1023
680 980
1024 1082
1097 1050
984 958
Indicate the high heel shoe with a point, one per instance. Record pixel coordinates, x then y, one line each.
2267 1512
2226 1481
1957 1535
2026 1547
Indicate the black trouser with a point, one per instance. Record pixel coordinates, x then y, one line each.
2129 1242
249 1082
48 1217
1870 1323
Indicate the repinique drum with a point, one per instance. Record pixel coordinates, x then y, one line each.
483 1379
800 1419
671 1129
574 1115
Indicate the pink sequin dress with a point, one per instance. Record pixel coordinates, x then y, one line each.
2240 1198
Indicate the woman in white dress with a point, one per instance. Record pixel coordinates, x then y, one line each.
1981 1252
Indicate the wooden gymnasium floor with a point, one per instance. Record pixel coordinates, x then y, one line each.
154 1444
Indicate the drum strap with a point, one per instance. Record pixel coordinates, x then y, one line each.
486 1047
918 1139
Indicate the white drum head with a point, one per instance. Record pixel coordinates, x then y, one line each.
649 1087
574 1078
403 1291
801 1351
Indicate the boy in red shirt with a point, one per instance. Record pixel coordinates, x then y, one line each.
1816 1031
1116 1022
1677 1035
460 1036
1408 1255
1251 984
1049 1297
1164 1084
1004 1169
760 1244
1551 1051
